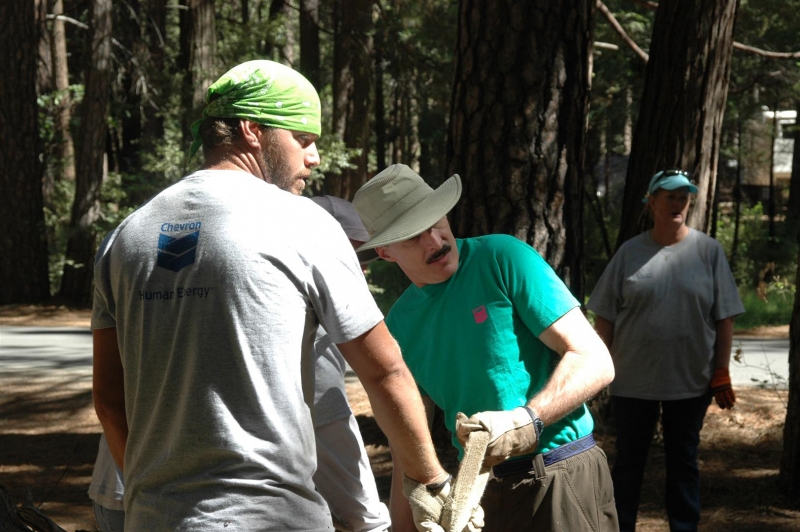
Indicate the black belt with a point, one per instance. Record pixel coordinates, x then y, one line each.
568 450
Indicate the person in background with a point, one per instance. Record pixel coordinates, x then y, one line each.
344 476
206 304
665 306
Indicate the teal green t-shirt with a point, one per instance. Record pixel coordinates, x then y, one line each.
472 343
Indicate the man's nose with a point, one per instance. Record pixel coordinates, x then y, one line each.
312 158
431 238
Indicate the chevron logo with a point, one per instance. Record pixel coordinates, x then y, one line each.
177 253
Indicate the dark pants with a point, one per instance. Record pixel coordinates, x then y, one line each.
573 495
635 422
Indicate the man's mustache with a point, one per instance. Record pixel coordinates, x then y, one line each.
445 249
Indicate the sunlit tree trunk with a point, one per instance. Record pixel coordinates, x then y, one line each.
352 80
66 148
23 247
76 282
683 103
518 124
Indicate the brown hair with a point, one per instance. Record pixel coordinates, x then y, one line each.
216 132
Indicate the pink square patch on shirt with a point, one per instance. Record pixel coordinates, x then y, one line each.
480 314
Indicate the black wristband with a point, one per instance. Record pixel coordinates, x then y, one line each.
538 424
438 485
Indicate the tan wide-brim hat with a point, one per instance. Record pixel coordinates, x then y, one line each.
397 204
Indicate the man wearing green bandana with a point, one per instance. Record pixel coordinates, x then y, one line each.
206 304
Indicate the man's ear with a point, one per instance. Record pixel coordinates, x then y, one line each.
251 133
385 254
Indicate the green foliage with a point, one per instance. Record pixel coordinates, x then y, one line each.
391 281
757 258
776 309
335 157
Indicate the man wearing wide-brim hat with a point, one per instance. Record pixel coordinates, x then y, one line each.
496 340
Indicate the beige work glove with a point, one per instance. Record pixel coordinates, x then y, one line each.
426 505
511 433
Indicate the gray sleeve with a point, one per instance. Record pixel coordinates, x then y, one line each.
336 287
727 302
103 302
607 294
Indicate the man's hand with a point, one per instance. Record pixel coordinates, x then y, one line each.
512 433
426 504
721 388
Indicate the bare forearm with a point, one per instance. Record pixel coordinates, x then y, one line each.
398 410
395 401
577 378
724 343
108 391
115 427
584 370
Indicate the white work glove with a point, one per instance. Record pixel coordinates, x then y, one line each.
426 505
511 433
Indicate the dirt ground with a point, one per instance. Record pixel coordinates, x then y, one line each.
49 436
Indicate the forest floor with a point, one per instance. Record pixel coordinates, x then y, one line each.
49 436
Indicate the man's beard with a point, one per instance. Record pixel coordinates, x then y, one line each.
277 168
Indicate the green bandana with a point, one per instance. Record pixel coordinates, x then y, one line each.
265 92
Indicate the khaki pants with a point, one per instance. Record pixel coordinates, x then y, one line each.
573 495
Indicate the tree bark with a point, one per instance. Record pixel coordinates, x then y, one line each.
198 58
380 99
309 41
281 52
683 103
23 245
790 460
793 207
352 86
66 147
517 128
77 280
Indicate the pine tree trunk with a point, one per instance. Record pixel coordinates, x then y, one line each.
198 56
66 148
518 124
309 41
352 86
793 207
683 103
283 52
77 280
790 461
23 247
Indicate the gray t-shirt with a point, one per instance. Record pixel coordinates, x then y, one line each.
664 302
216 287
330 396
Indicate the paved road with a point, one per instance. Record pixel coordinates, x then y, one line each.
49 351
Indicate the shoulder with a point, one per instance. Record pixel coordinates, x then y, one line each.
500 246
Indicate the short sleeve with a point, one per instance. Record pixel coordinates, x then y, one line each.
539 296
606 296
103 309
335 284
727 302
